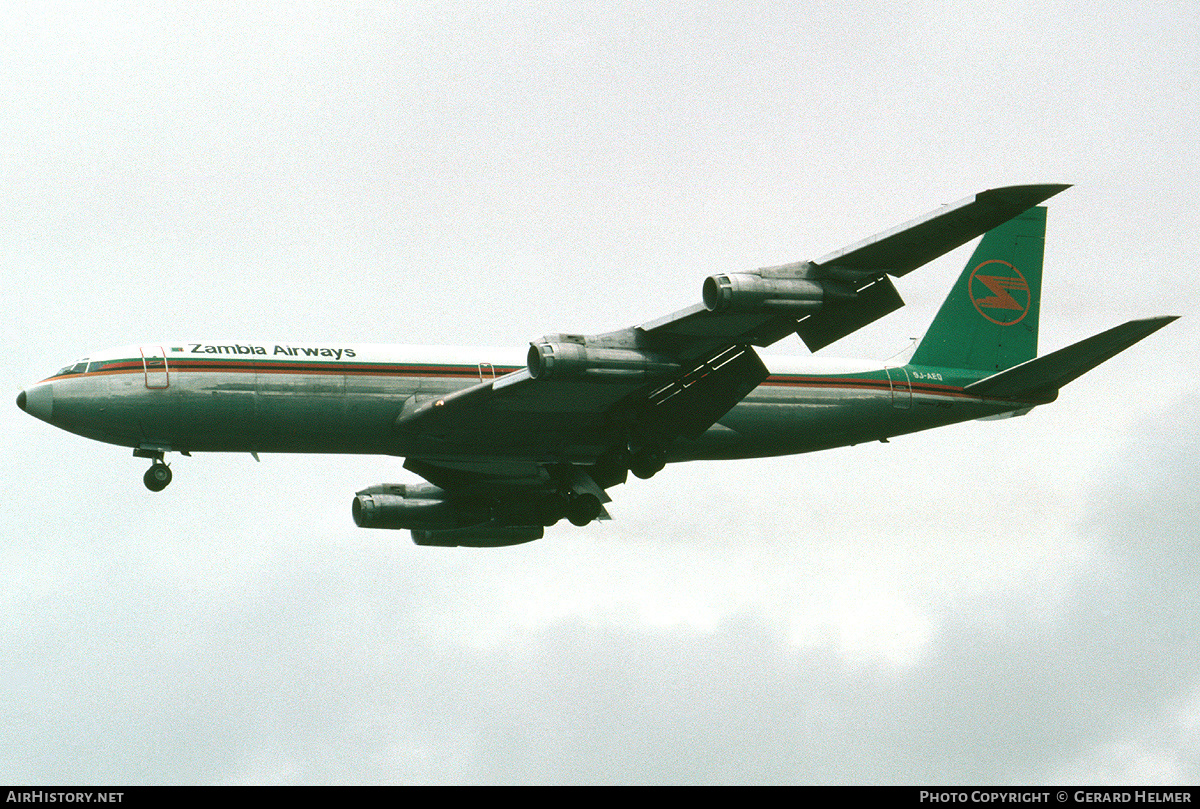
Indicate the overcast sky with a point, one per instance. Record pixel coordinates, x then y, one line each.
1001 602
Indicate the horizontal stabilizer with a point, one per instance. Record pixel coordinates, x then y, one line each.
1043 376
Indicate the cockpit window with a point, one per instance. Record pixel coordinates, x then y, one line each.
77 368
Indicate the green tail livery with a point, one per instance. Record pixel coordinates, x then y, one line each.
989 322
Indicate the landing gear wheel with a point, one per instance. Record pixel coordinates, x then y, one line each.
647 464
157 477
583 509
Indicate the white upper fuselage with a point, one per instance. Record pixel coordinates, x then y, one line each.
386 353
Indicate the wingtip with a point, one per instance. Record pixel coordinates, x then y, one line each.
1160 320
1026 195
1146 326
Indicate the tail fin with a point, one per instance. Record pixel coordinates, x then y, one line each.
989 322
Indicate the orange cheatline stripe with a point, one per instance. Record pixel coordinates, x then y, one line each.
181 365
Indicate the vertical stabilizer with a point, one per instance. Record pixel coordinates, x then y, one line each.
989 322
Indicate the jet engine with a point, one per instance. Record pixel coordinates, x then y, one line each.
435 519
420 507
746 292
570 359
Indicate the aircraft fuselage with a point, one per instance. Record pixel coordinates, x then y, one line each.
267 397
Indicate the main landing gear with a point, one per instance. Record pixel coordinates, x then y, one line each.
578 507
159 474
647 463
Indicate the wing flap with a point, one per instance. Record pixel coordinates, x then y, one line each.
840 318
691 403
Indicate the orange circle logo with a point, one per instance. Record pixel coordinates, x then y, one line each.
1001 290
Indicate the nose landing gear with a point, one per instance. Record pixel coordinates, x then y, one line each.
157 476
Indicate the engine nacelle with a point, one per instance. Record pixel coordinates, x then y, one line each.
564 360
420 507
482 537
744 292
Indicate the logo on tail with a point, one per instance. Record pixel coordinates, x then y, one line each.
1004 293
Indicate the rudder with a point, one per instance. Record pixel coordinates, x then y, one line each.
989 322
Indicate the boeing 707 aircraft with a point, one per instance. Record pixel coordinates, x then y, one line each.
511 442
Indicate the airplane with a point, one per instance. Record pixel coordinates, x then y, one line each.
512 442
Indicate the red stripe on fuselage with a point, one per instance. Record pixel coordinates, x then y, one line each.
189 365
853 383
186 365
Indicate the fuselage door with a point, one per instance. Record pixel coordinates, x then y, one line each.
154 363
901 387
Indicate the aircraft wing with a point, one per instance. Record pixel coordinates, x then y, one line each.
825 299
576 418
600 405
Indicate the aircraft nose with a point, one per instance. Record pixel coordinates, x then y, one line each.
37 401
